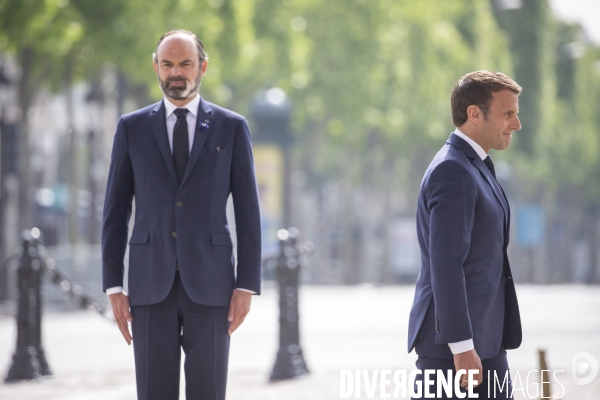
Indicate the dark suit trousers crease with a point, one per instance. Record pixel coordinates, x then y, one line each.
161 330
499 364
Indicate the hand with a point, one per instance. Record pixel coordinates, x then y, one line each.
469 360
120 306
238 309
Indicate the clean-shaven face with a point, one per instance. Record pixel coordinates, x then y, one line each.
496 132
178 67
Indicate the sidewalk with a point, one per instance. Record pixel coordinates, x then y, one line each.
342 328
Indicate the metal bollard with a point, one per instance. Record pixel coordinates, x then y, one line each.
29 360
545 374
290 360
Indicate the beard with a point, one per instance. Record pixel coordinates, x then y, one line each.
180 93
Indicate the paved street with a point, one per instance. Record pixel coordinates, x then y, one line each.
351 328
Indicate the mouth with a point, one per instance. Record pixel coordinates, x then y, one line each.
176 83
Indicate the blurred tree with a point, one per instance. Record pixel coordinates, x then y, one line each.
370 81
529 29
559 164
46 38
37 32
570 153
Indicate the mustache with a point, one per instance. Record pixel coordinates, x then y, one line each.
170 80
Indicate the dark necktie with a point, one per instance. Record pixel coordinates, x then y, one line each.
181 143
488 162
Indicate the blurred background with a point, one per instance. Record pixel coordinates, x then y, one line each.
347 101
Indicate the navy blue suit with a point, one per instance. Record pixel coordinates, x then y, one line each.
181 224
465 288
187 223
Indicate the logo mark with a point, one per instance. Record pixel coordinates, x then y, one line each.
585 368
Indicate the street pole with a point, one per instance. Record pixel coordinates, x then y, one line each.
94 100
5 167
3 192
29 360
271 114
290 359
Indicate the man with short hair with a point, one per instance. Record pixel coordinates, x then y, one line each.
465 313
180 159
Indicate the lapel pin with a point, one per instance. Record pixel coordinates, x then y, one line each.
218 149
204 125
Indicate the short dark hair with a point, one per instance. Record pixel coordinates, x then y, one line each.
201 53
478 88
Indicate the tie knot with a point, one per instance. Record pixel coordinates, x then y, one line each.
181 112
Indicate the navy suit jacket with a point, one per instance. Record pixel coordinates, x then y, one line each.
185 224
465 288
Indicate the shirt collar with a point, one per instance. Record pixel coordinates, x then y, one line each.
478 149
192 106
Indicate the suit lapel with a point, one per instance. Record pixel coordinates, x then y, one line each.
204 117
158 122
458 142
508 218
492 182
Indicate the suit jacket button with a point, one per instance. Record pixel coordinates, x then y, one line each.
503 279
179 204
174 234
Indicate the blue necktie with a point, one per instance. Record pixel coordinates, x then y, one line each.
488 162
181 143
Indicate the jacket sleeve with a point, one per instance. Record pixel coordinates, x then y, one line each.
451 194
247 212
117 210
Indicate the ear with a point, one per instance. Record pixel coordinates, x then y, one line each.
155 67
474 114
203 68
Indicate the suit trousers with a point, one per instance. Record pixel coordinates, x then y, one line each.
494 385
161 330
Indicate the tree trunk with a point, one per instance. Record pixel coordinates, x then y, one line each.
593 221
26 90
72 163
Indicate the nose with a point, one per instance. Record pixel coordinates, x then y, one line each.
518 124
175 71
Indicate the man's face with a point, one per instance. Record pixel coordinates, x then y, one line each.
178 67
502 120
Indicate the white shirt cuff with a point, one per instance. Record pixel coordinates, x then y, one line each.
113 290
119 289
246 290
461 347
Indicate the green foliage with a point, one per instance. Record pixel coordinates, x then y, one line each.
560 75
370 80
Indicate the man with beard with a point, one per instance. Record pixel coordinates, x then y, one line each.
180 159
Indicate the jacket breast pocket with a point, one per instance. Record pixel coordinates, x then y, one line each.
477 279
217 150
139 237
215 160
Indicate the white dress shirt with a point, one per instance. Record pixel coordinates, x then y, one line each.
478 149
191 117
466 345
